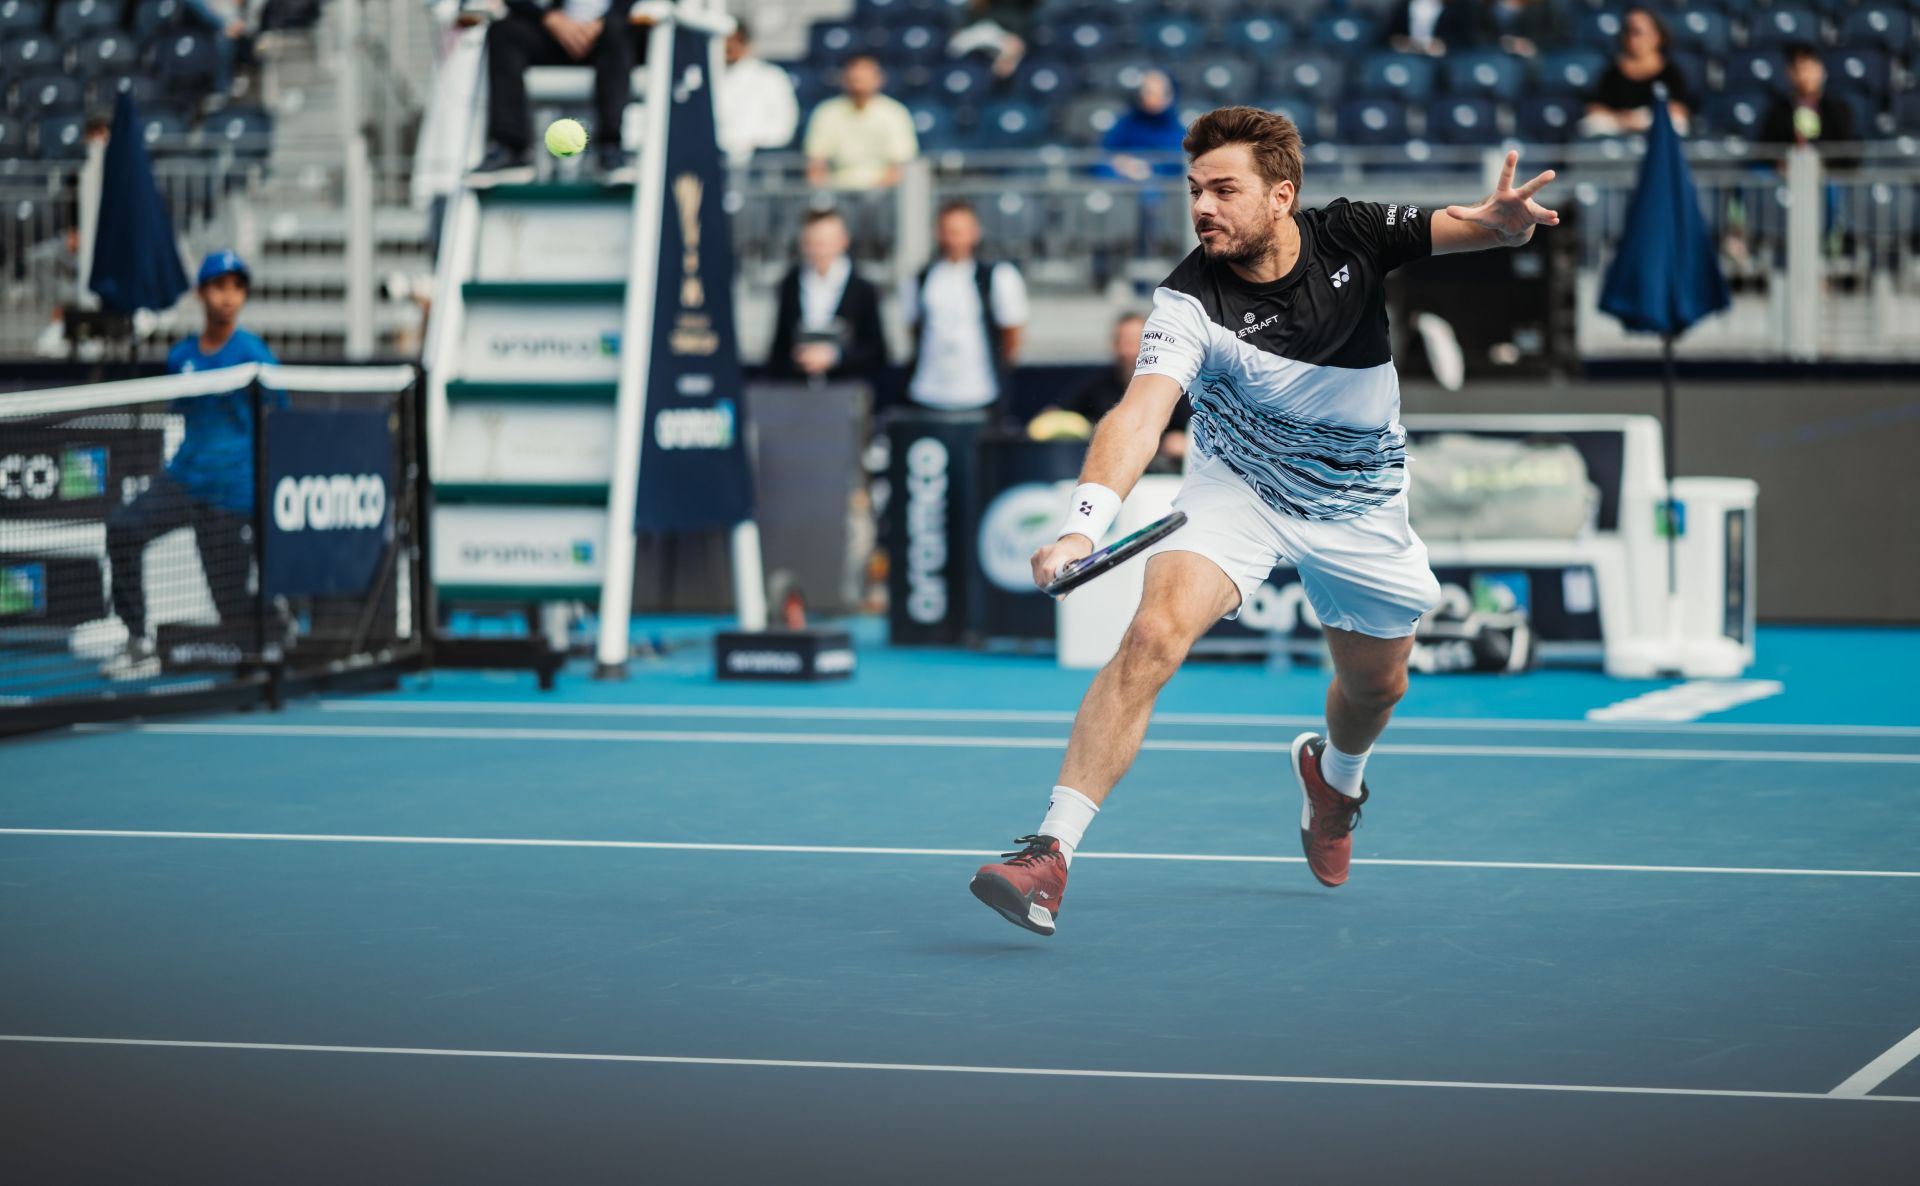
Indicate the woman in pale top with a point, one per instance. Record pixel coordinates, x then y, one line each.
1623 101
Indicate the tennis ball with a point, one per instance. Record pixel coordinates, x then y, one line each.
565 137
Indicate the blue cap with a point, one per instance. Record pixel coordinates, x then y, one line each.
219 264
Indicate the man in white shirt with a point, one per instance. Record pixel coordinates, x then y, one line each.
753 101
859 140
967 318
555 33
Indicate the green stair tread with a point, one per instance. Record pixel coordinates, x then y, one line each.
569 494
522 391
543 292
463 591
556 193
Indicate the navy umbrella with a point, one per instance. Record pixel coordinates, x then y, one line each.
135 262
1667 273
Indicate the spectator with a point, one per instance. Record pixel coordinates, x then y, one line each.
1430 27
1623 101
208 484
1807 113
1522 27
967 317
999 28
233 42
1098 395
555 33
1151 126
859 140
828 325
753 101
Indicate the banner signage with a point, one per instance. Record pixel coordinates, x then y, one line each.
329 514
544 343
518 546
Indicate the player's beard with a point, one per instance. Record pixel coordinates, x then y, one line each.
1247 252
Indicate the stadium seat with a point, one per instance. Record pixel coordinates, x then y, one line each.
247 132
1861 69
74 19
1548 119
1485 74
1218 80
1773 28
1013 222
1737 114
152 16
1172 37
1086 121
1301 111
163 131
1694 68
1009 123
1347 31
933 124
961 82
1747 72
1307 73
29 55
107 87
1886 26
50 94
184 63
1703 31
876 12
1044 80
1597 30
13 138
1871 119
1256 34
1571 71
1403 76
21 16
1119 75
1373 121
114 53
916 43
1085 40
1463 121
829 42
61 138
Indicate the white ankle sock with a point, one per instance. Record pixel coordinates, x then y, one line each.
1068 814
1343 771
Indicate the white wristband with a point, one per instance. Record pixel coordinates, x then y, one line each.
1094 509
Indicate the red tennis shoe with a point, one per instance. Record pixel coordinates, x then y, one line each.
1327 817
1026 889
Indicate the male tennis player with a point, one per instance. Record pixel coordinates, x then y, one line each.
1276 328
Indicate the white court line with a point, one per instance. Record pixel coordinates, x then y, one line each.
956 741
945 1068
874 851
1880 1069
1043 717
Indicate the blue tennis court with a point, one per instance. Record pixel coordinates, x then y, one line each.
672 930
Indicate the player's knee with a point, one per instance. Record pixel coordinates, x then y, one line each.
1155 645
1375 692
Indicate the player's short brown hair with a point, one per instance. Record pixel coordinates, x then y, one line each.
1273 139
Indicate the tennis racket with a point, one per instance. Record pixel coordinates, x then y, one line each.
1078 573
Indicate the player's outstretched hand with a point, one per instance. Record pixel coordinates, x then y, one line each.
1048 561
1510 213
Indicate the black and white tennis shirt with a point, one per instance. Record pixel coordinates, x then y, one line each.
1292 382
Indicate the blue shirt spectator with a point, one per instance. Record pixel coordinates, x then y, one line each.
1152 126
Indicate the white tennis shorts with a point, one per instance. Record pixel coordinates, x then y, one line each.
1368 575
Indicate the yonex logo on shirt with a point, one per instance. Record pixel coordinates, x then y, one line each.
1342 277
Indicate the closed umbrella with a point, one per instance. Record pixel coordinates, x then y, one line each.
135 262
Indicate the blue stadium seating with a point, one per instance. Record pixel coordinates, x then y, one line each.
247 132
1550 119
961 82
1307 73
1120 75
1345 31
1463 121
1693 68
1257 34
1598 30
1870 120
1404 76
1085 40
1009 123
13 138
915 43
163 131
1883 25
51 94
1085 121
1302 112
1774 27
1045 79
1752 71
1218 80
1172 37
184 63
106 87
61 138
1864 70
28 55
152 16
1737 114
1485 74
21 16
75 19
933 124
829 44
1374 121
1703 30
1571 71
114 53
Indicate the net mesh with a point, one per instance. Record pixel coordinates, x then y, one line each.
143 552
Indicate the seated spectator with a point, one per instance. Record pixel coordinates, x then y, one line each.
828 324
1523 27
859 140
1623 101
753 101
998 28
1151 126
1430 26
1807 113
1101 393
967 318
555 33
208 483
233 42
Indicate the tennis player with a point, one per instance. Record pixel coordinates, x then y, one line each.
1276 328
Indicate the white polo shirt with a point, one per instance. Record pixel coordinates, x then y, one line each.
956 361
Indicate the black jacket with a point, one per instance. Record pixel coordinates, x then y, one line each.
863 344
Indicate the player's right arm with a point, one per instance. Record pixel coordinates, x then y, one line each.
1125 441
